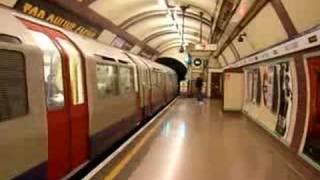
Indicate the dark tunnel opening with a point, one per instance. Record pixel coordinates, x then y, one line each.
174 64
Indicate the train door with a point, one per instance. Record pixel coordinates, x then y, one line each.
67 107
166 88
78 105
165 92
146 92
149 89
216 85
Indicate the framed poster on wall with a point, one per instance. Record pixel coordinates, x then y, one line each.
256 86
249 86
275 98
267 85
285 97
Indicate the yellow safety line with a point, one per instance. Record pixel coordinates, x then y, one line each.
122 164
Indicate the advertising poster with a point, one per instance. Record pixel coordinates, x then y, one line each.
276 89
268 84
285 98
256 86
249 86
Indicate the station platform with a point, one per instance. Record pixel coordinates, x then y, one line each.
198 141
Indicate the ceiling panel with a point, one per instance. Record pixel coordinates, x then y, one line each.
260 37
304 14
148 26
222 61
207 5
149 18
120 10
229 55
154 43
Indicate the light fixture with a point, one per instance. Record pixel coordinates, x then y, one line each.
242 36
201 27
163 4
183 9
172 17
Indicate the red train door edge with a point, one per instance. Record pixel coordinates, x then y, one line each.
78 106
68 140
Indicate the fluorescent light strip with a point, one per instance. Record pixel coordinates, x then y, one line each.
173 17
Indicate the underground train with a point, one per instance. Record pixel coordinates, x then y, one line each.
65 99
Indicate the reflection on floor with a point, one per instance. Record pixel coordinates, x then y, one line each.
199 142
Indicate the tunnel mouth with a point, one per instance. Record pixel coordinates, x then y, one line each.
174 64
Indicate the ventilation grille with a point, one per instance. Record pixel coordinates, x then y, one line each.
13 90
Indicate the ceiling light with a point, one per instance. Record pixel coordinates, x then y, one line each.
242 36
163 4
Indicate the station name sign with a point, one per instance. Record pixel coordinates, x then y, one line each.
205 47
146 54
53 14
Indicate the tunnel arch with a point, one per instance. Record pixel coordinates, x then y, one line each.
174 64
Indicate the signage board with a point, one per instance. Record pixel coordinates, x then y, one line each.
55 15
122 44
205 47
146 54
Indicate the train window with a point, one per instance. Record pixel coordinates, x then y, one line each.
9 39
52 71
13 88
154 80
106 58
75 70
106 79
125 80
123 62
160 79
147 78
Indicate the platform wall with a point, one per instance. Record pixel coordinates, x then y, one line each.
271 100
282 96
233 91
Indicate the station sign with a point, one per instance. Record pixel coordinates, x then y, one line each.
122 44
58 16
205 47
146 54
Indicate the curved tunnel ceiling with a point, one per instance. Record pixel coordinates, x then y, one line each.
168 32
157 41
153 27
162 13
166 28
142 17
148 20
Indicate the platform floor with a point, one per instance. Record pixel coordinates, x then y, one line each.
193 141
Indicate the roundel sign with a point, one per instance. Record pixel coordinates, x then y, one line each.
197 62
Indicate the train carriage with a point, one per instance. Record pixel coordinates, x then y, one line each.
65 99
